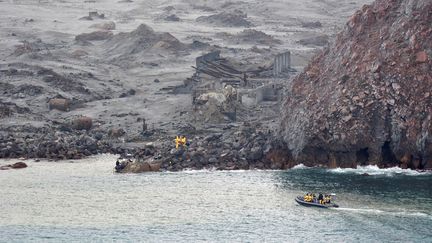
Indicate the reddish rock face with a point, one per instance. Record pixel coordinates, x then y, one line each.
367 98
421 57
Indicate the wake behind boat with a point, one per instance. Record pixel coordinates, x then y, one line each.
310 201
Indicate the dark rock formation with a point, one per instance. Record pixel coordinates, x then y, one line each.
248 147
18 165
367 98
51 143
140 167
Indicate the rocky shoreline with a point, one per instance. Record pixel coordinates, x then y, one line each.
243 147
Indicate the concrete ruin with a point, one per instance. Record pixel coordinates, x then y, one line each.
282 64
270 92
219 91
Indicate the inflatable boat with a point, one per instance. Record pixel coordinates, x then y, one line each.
300 200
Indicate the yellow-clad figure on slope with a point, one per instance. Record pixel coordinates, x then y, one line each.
180 140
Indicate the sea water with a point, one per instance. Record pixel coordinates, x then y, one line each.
76 201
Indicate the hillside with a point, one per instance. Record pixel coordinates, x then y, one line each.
367 98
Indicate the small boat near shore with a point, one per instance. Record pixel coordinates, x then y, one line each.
300 200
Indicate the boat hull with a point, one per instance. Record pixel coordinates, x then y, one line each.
300 201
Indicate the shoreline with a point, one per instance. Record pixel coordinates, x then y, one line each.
247 147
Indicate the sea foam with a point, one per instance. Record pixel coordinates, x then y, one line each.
375 170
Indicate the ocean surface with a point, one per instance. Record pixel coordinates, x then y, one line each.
84 201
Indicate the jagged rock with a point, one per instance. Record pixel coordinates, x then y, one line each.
326 121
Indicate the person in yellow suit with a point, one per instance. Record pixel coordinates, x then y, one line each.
180 140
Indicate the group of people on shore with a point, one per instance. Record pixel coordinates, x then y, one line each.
322 199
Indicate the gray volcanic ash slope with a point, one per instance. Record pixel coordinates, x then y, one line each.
367 98
142 39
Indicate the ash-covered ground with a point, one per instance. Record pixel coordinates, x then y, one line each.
65 64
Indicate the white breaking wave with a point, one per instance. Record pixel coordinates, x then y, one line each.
299 166
375 170
378 211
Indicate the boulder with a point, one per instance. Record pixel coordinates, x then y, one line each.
59 104
82 123
18 165
155 167
137 167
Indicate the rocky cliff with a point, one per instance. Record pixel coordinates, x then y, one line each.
366 99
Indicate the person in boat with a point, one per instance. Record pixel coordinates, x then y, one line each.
321 198
327 199
307 197
310 197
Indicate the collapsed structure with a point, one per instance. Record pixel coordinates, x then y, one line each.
221 92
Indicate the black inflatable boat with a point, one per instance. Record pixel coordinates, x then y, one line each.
302 202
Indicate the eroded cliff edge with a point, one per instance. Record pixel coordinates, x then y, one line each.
366 99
